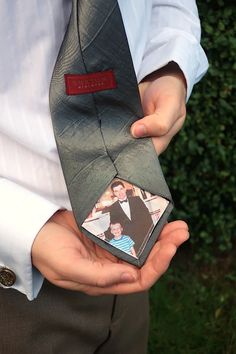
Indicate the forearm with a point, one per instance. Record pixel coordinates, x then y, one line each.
23 213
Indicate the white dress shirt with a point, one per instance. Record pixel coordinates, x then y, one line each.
126 208
32 187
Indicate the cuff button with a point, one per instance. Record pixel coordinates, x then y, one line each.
7 277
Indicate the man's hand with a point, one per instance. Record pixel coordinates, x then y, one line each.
163 96
70 260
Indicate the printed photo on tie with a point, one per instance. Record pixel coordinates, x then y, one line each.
124 218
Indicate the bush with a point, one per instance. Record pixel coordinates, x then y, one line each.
200 163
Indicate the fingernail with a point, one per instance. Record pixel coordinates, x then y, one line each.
127 278
139 131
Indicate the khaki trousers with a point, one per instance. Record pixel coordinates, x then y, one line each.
65 322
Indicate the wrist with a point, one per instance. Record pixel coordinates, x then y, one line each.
171 69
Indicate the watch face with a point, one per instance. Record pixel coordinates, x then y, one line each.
124 218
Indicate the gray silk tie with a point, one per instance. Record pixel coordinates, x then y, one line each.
94 99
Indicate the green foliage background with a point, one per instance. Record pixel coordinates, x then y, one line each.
200 164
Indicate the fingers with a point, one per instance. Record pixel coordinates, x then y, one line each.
159 123
175 232
100 275
66 260
153 269
62 257
159 263
161 143
172 227
172 236
163 102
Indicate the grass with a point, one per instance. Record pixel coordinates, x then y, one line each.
193 308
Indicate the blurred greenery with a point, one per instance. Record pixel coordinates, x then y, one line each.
200 164
193 308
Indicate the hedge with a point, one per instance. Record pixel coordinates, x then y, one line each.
200 163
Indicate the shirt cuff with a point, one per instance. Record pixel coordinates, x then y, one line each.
183 50
23 213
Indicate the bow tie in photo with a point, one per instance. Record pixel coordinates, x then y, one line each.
123 201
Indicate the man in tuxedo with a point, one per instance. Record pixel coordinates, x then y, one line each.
132 213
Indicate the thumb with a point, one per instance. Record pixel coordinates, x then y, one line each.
156 124
103 274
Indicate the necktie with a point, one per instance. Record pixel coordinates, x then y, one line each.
94 99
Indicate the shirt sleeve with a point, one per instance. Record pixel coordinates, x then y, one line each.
22 215
174 35
131 242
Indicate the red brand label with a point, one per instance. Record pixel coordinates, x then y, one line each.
89 83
